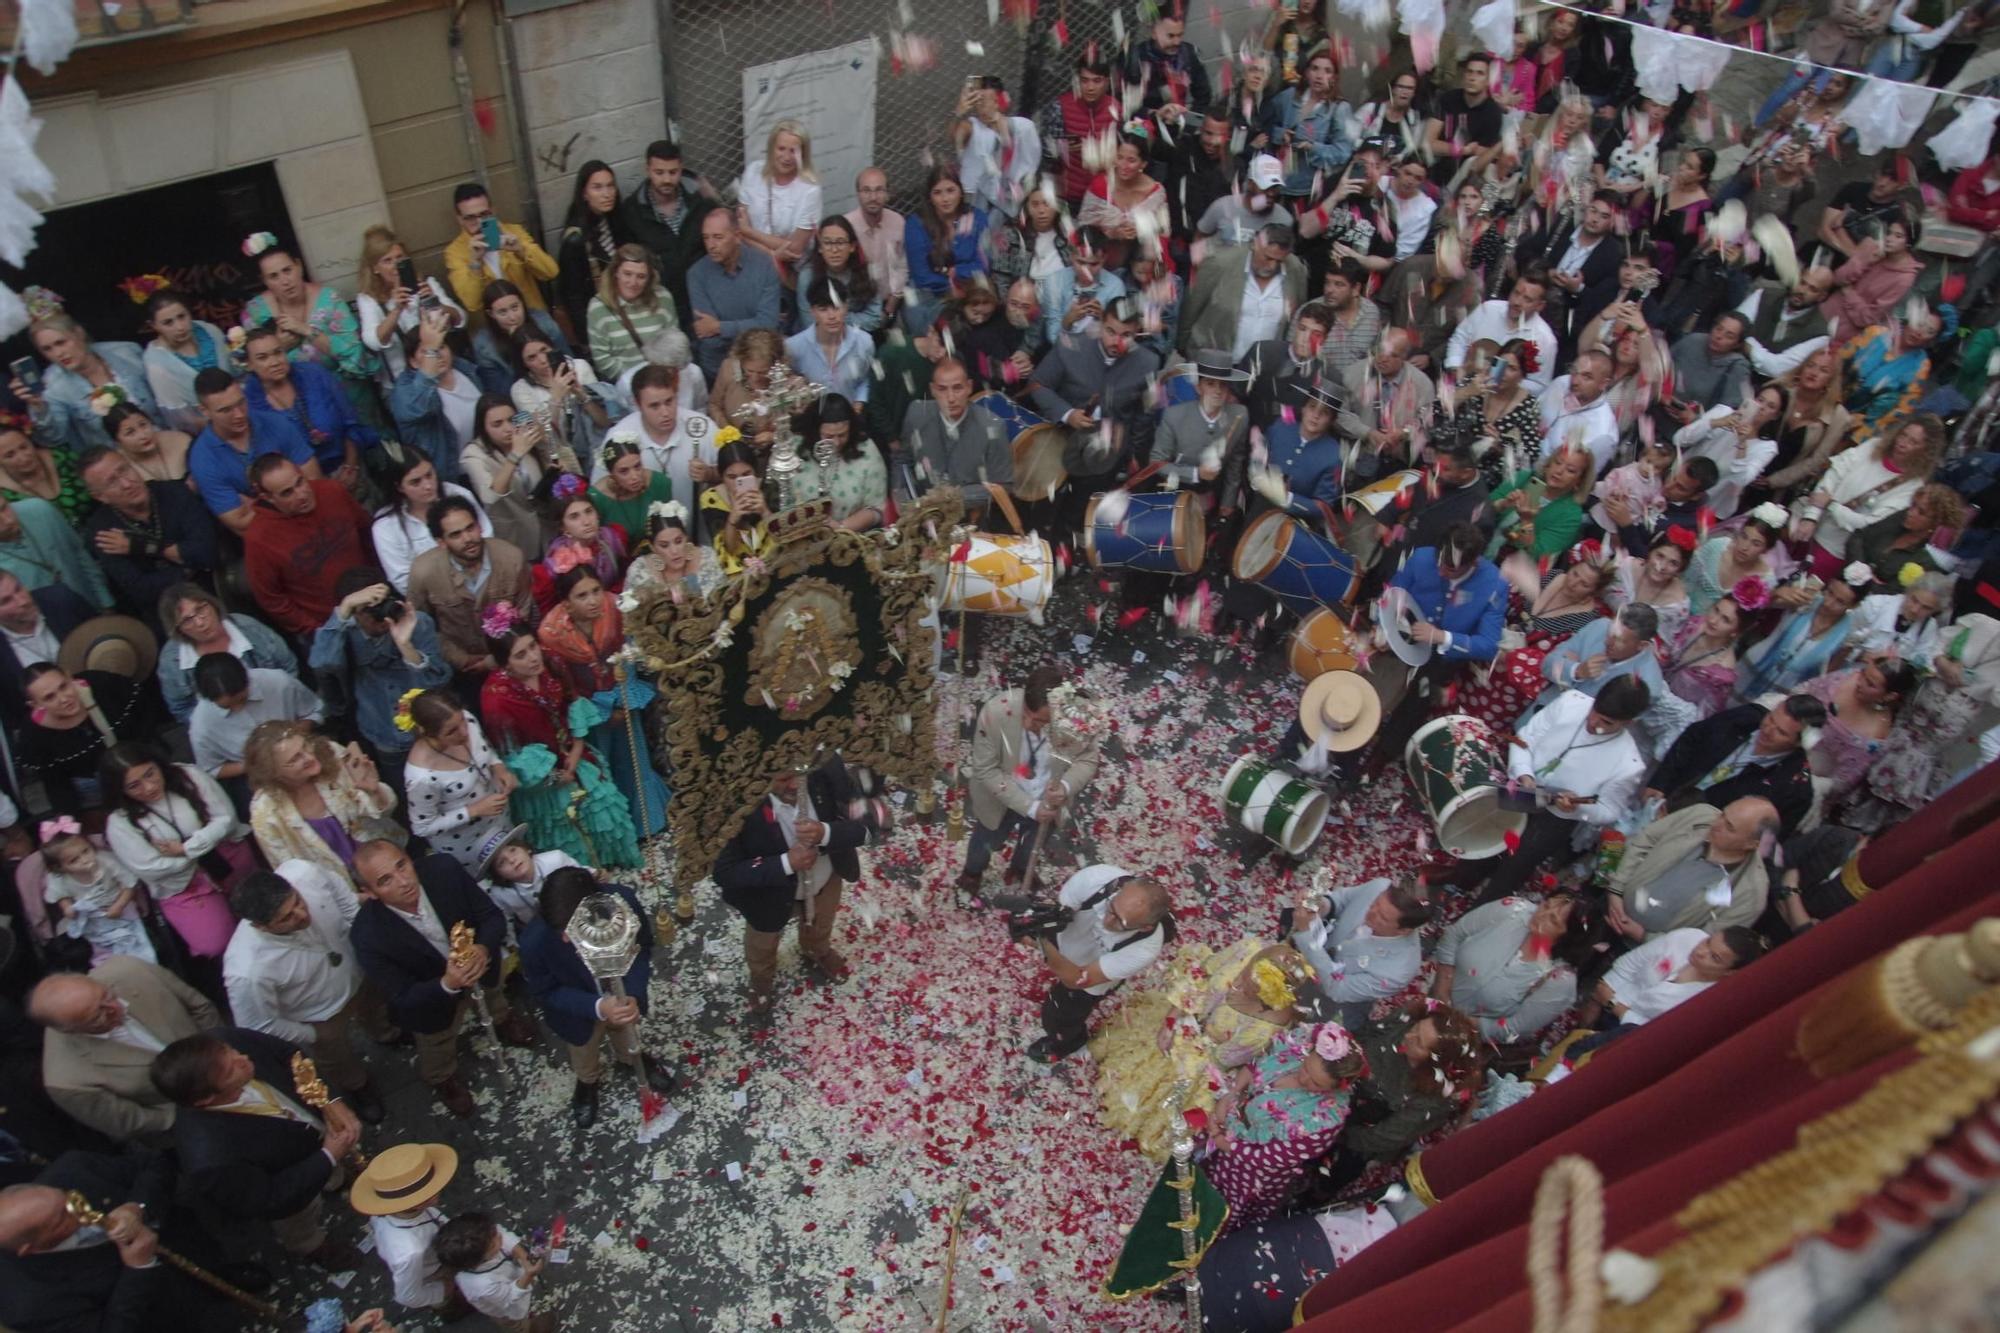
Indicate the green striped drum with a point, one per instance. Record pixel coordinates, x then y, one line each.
1273 804
1456 764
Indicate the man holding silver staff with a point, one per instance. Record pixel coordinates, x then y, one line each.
1018 782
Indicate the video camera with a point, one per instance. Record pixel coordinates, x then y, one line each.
1029 919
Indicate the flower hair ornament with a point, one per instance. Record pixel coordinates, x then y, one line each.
568 486
60 827
1751 593
1682 537
1332 1043
1531 356
404 721
568 556
1909 573
672 509
42 303
257 242
615 445
145 287
497 619
1274 988
105 397
1858 576
1771 515
726 436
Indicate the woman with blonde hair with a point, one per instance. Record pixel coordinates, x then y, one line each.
630 309
1541 512
746 373
83 379
779 200
387 308
312 800
1864 484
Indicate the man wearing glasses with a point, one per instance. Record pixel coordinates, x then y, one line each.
488 250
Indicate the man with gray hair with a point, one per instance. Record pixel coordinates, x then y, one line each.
103 1031
1603 651
1244 295
1700 867
1362 941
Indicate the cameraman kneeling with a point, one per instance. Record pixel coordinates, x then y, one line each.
1117 925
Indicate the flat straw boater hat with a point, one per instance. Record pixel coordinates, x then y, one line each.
406 1176
1342 709
120 645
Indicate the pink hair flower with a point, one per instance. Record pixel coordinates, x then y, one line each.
1751 593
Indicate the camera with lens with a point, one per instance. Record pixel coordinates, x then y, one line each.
1027 919
388 609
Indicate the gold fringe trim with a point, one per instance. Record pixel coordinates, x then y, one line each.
1413 1176
1850 879
1839 1160
1182 1267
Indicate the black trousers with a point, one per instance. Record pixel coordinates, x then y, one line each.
1066 1015
1546 836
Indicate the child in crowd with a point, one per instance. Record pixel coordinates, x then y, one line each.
511 871
1639 484
494 1271
397 1192
94 893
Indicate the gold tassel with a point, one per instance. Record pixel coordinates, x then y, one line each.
1889 1002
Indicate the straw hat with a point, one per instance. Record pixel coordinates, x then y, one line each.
406 1176
116 644
1342 709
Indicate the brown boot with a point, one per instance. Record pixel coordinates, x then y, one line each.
545 1322
514 1030
456 1097
335 1256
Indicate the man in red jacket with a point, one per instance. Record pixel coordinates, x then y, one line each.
306 533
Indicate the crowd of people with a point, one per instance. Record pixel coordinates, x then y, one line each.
1653 471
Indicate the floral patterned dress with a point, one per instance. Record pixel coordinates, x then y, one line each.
1211 1035
1516 677
606 555
1699 685
860 482
1843 754
1275 1132
588 818
332 316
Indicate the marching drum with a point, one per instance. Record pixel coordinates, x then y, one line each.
1458 766
1377 495
1004 575
1273 804
1321 643
1160 531
1291 561
1037 444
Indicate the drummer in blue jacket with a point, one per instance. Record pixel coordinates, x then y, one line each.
1302 469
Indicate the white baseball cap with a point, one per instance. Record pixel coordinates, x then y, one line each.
1265 171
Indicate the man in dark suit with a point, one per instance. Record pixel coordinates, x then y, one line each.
1743 751
57 1276
1097 387
1455 494
249 1146
1583 267
402 939
33 624
147 535
576 1008
791 857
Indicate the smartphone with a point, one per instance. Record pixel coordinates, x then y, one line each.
427 300
26 371
746 484
490 229
406 274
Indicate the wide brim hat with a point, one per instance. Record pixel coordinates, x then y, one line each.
119 645
406 1176
1323 392
493 844
1394 606
1212 363
1340 709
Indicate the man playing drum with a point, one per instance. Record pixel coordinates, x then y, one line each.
1299 474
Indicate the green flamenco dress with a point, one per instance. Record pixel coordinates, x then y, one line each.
589 818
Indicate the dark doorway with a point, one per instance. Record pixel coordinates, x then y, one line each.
192 232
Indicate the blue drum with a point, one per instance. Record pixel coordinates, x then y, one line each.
1160 531
1295 564
1011 414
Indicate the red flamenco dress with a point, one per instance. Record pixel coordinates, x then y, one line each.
1516 675
533 726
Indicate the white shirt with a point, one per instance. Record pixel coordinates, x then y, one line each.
693 437
400 539
1413 219
372 313
523 902
239 644
1594 425
404 1244
494 1288
779 210
1577 255
1262 313
1562 755
38 645
250 1099
174 818
1643 982
989 183
283 984
460 399
1738 462
428 924
1085 940
1492 320
788 817
1875 630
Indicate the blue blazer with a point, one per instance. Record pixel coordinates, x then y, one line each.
566 988
1473 615
404 965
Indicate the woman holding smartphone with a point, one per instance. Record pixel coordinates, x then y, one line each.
504 463
734 510
390 297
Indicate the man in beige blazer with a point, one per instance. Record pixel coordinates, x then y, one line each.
103 1031
456 580
1017 784
1214 313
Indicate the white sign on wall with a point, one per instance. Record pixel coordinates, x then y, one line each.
831 93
